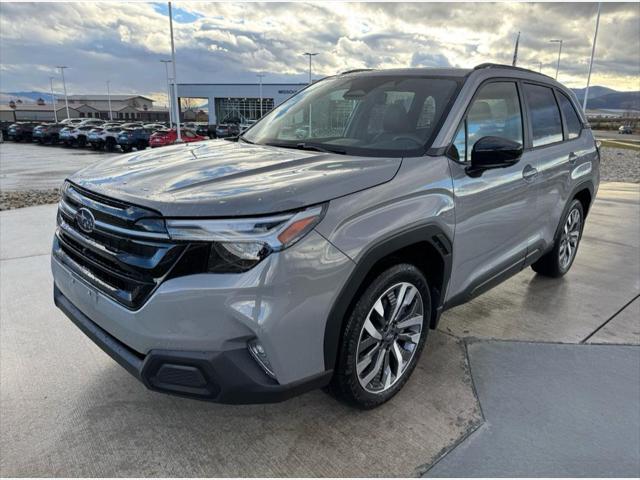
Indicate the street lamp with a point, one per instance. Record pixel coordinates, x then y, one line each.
169 102
593 51
53 101
109 100
175 78
310 55
559 53
64 86
260 76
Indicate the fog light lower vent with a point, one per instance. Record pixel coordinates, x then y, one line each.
258 353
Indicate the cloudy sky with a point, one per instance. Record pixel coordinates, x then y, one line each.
230 42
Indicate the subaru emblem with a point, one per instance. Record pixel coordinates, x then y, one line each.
85 220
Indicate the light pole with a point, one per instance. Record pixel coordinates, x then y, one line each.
540 67
310 55
53 101
515 51
109 100
260 76
559 53
593 51
64 86
169 102
175 78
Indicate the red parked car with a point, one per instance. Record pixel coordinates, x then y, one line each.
162 138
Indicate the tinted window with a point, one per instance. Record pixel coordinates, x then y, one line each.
546 124
574 125
495 112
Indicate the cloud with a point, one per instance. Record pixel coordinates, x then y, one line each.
227 42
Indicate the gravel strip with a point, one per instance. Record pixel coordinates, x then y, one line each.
28 198
618 165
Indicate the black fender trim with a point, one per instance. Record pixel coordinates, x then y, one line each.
384 247
586 185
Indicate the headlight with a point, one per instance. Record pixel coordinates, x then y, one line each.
238 244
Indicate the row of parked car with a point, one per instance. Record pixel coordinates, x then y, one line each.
106 135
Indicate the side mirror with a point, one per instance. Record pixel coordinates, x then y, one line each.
494 152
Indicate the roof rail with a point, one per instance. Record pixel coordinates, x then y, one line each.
356 70
510 67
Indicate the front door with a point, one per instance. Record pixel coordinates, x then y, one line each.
494 209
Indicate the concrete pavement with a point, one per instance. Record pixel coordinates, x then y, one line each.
67 409
552 410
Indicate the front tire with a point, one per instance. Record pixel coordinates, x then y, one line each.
558 261
383 338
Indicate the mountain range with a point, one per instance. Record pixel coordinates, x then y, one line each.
600 98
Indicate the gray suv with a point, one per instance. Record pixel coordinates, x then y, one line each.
320 247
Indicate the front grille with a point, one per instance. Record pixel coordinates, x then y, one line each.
119 256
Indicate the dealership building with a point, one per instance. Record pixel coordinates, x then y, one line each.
238 101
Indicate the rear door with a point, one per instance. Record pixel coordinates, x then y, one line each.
553 154
493 210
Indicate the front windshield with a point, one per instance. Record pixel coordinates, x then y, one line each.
372 115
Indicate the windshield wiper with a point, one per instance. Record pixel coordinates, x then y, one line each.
241 137
308 146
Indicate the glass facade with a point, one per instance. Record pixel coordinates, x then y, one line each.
240 110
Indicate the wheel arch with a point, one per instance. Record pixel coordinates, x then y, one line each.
426 246
583 192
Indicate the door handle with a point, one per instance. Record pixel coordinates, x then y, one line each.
573 158
529 173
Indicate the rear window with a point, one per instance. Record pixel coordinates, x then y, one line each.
546 124
573 123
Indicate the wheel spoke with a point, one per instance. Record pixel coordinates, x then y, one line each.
405 297
372 330
366 343
376 368
399 358
410 322
409 337
367 359
379 308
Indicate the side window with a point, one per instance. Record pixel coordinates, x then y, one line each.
574 125
495 112
546 124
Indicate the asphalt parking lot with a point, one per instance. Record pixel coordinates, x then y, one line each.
536 377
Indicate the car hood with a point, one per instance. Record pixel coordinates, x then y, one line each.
220 178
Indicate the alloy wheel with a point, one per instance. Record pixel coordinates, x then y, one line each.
389 337
570 238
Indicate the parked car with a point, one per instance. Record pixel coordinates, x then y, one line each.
161 138
47 133
137 138
72 121
4 128
96 122
625 129
76 135
225 130
246 125
21 131
107 138
256 269
206 130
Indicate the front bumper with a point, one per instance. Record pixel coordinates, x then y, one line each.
230 376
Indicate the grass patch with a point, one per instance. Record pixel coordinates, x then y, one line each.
626 145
